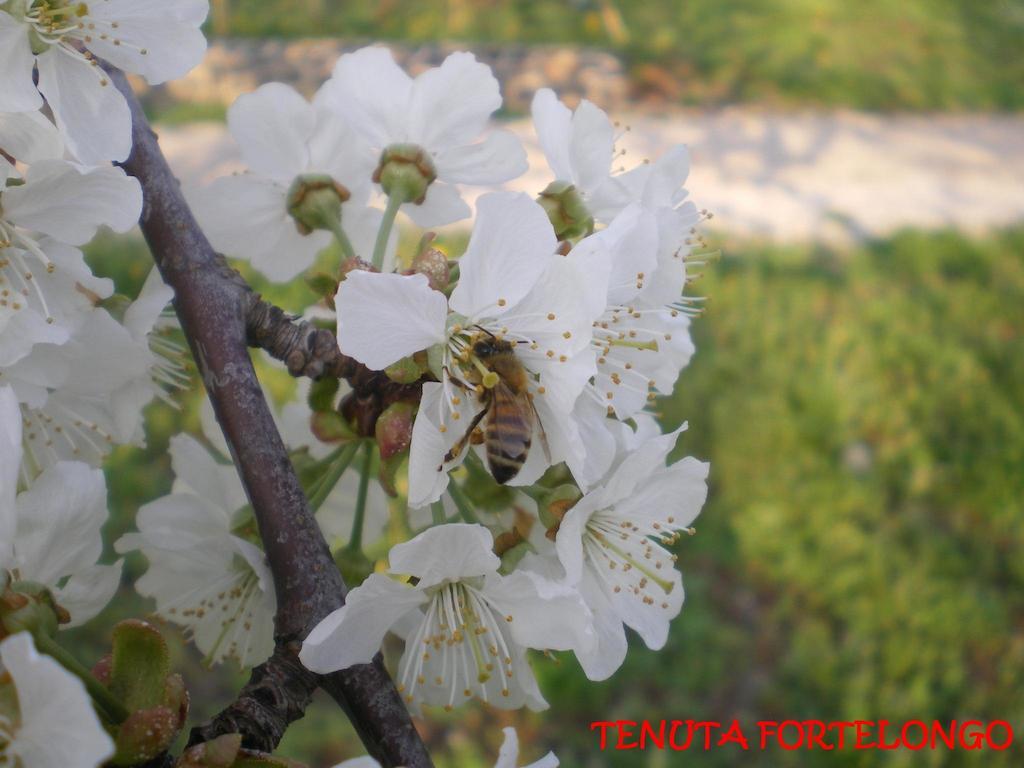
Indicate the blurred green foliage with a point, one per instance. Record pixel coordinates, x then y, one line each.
862 552
874 54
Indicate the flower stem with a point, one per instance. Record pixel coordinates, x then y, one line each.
463 503
319 493
346 245
395 201
355 541
110 707
437 512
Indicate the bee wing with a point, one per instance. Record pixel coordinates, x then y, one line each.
541 433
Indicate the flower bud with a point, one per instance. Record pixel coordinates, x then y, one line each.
331 427
314 201
566 210
394 429
432 263
405 170
145 735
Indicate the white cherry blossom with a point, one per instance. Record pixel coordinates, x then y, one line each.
83 397
44 283
466 627
579 144
61 40
640 343
443 111
513 287
203 575
282 136
55 526
49 721
611 544
507 758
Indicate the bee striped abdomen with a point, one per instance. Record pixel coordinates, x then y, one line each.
508 432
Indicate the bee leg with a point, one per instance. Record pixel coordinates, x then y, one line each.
461 443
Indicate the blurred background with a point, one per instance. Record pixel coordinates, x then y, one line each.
859 381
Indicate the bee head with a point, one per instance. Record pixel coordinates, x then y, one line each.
490 347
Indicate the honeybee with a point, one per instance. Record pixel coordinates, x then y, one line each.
508 407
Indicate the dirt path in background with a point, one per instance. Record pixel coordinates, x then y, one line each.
835 177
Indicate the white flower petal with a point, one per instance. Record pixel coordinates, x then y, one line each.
498 158
443 205
553 122
91 113
17 91
434 434
590 148
372 92
168 34
88 592
677 492
385 317
245 216
70 203
451 103
196 471
58 726
10 464
353 633
29 137
445 552
511 246
606 655
644 461
545 614
60 518
272 126
141 316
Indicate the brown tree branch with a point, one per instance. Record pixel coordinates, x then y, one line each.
213 306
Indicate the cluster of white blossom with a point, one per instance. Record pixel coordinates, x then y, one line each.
539 348
77 363
539 351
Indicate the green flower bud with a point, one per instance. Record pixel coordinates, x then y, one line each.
314 201
405 170
566 210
